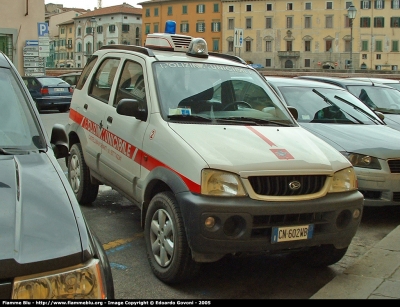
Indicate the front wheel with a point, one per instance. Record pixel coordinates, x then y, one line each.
79 177
167 248
320 256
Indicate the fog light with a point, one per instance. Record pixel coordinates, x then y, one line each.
356 213
209 222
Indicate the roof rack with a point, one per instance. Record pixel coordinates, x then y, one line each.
140 49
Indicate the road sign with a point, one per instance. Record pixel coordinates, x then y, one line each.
238 38
43 29
31 42
31 53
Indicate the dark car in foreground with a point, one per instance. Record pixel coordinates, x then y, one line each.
47 249
343 121
49 93
379 97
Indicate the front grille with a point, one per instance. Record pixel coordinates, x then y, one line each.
180 41
280 185
5 289
394 166
262 224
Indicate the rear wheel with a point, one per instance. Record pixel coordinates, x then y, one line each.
79 177
320 256
167 248
63 109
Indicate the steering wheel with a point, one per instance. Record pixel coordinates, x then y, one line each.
236 103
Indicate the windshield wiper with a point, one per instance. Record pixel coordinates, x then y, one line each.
252 121
12 151
331 103
190 118
357 109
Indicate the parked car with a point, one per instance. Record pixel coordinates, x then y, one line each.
71 78
389 82
49 93
173 129
343 121
383 99
47 248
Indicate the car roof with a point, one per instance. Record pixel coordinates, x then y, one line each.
287 81
376 80
343 82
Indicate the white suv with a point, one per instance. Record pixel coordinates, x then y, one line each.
214 160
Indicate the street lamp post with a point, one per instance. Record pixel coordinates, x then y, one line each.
93 25
351 13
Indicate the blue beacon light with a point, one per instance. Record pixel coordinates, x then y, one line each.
170 27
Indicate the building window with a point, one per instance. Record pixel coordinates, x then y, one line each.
307 6
62 30
289 6
248 46
379 4
395 4
70 30
147 13
184 9
268 22
216 7
268 63
379 22
200 27
156 11
184 27
365 4
169 11
201 8
248 7
230 46
289 45
268 46
79 47
378 46
216 26
328 45
307 45
328 21
289 22
230 9
347 45
307 63
394 67
395 46
269 6
147 29
125 28
364 56
329 5
231 23
215 45
307 22
365 22
378 56
156 28
378 67
348 3
394 22
99 29
248 23
79 31
364 45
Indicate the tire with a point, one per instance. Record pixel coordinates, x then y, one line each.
167 248
63 109
320 256
79 177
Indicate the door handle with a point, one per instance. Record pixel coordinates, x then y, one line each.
109 119
85 106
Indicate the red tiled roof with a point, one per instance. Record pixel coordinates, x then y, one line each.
116 9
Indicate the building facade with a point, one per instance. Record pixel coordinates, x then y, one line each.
194 18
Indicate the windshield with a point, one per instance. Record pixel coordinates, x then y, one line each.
18 129
384 99
218 94
324 105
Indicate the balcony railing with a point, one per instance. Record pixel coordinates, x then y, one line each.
289 54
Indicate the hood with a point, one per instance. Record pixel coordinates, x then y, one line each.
261 148
376 140
37 222
392 120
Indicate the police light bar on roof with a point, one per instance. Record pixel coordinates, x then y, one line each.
170 41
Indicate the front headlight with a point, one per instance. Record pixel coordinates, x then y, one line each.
218 183
344 180
77 282
360 160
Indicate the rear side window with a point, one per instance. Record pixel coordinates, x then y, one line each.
86 71
103 80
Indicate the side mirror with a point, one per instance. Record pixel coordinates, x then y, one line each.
294 112
132 107
59 141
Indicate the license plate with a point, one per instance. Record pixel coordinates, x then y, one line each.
59 90
292 233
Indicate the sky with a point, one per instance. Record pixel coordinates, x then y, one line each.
91 4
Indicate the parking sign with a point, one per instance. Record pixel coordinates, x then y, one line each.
43 29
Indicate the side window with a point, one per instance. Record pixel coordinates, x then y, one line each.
100 87
86 71
131 83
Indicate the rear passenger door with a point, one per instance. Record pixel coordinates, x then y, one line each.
122 141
